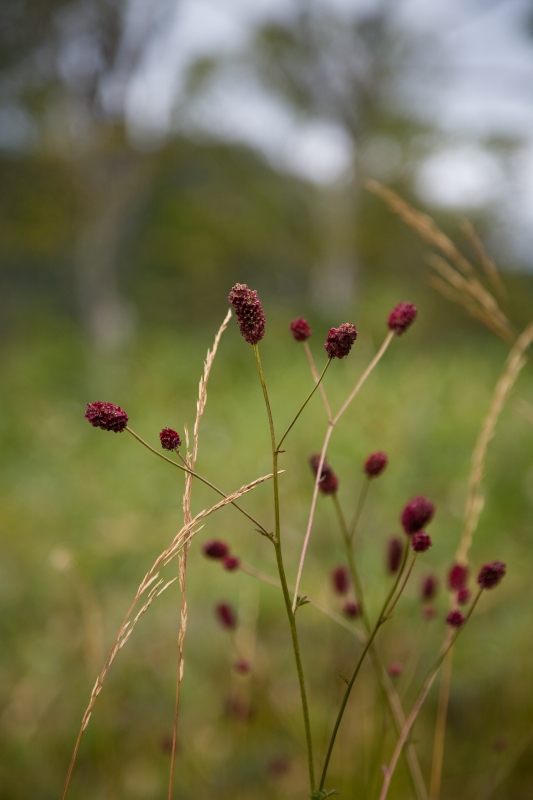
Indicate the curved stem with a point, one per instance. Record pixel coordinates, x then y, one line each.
196 475
283 579
360 503
317 384
314 373
420 700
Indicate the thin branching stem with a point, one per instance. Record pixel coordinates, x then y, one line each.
283 579
382 617
432 674
360 503
309 396
263 530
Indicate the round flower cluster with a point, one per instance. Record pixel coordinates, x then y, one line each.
170 439
417 513
340 340
300 329
375 464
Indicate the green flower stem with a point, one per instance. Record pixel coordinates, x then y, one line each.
358 510
203 480
351 560
380 620
432 674
283 579
309 396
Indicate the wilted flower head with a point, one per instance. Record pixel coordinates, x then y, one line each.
421 542
491 574
375 464
340 580
402 317
463 596
429 587
417 513
216 549
340 340
106 416
169 439
231 563
329 482
249 312
457 576
226 615
300 329
394 554
351 609
455 619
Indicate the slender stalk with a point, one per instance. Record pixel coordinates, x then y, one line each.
390 610
309 396
196 475
331 425
420 700
383 616
283 579
440 728
351 560
360 503
314 372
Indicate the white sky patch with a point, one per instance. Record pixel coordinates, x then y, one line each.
463 177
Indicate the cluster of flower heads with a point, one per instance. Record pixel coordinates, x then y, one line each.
489 576
219 551
341 585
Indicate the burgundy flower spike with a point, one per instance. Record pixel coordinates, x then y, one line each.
170 440
375 464
340 340
491 574
249 312
106 416
402 317
417 513
300 329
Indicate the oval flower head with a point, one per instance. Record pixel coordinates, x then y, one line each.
340 340
300 329
402 317
249 312
106 416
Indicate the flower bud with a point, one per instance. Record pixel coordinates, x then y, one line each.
226 616
328 482
402 317
340 580
420 542
300 329
455 619
463 596
429 588
491 574
216 549
351 609
231 563
417 513
375 464
457 576
394 554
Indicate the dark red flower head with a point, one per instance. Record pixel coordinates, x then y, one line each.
169 439
421 542
329 482
463 596
402 317
340 580
300 329
106 416
491 574
457 576
226 616
340 340
216 549
394 554
429 588
417 513
231 563
455 619
351 609
249 312
375 464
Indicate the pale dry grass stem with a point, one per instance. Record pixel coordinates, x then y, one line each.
182 559
152 576
458 283
331 425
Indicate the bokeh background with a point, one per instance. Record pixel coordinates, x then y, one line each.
152 155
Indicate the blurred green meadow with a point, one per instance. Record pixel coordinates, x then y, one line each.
85 513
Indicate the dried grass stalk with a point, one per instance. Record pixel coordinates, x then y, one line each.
191 460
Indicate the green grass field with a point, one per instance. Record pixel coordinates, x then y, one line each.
85 513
